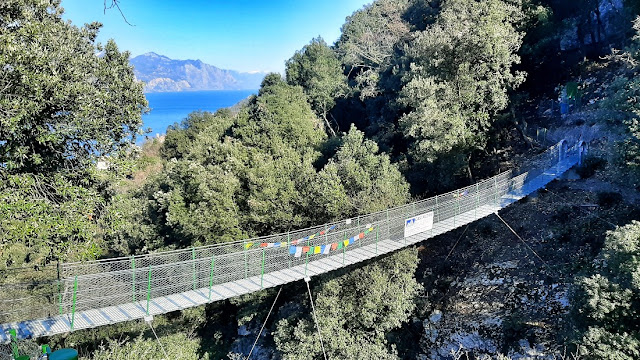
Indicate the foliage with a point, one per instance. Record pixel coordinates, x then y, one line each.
66 105
66 102
317 69
610 299
354 312
180 136
368 41
52 218
461 69
358 180
177 346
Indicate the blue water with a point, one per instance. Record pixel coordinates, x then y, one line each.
171 107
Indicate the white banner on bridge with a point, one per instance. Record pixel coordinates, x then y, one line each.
418 224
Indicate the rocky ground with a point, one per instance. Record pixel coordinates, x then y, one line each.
492 294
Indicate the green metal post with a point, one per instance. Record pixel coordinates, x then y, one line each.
211 272
148 289
262 271
73 305
193 264
59 291
133 286
306 262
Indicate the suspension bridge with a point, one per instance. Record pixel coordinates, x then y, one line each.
82 295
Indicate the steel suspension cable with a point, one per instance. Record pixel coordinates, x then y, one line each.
315 318
524 242
264 323
158 340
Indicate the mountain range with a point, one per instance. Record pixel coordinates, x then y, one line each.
162 74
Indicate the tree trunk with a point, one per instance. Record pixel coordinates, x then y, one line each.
326 122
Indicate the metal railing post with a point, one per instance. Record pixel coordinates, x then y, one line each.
133 285
495 191
246 264
73 304
148 289
59 290
477 200
262 271
211 272
288 245
193 266
377 233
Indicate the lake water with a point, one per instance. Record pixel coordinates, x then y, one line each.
171 107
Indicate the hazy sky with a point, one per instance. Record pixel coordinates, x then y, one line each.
231 34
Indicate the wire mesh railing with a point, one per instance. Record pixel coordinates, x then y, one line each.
81 286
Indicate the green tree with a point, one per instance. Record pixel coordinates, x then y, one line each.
66 100
460 69
609 301
65 103
358 180
317 69
354 312
368 42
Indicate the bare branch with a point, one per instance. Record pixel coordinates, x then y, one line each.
115 4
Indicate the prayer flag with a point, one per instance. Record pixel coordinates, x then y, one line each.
346 242
340 244
325 249
277 244
263 245
292 249
270 245
247 245
316 250
322 232
312 236
305 249
371 229
298 251
360 236
334 246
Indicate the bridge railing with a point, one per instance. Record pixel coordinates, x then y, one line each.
137 279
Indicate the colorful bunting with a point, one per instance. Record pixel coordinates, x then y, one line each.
247 246
298 251
334 246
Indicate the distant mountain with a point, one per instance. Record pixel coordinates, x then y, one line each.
162 74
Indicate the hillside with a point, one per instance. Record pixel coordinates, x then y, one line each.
162 74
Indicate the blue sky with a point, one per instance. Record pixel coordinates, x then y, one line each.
232 34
